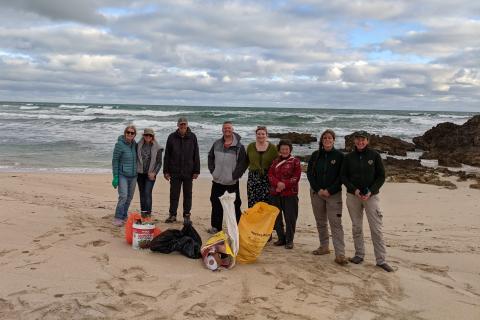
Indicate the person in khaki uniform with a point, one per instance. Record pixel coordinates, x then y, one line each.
363 174
326 195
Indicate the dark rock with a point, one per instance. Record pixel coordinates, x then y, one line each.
452 143
386 144
295 137
304 158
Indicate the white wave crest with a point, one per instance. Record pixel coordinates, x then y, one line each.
29 107
154 113
71 106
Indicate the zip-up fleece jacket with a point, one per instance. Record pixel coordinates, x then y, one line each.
323 170
155 157
363 169
182 156
227 165
287 171
124 160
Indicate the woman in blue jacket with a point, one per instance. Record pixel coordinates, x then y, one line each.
124 169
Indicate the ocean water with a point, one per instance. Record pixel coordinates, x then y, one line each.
80 137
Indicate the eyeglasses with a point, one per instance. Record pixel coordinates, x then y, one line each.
148 135
130 132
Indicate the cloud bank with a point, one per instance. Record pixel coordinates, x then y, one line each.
324 54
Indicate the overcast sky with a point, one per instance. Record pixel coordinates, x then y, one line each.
326 54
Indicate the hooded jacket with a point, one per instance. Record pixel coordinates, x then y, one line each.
227 165
324 170
124 159
363 169
155 157
182 156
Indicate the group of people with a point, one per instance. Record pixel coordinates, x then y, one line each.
273 177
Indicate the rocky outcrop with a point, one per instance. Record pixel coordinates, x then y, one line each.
385 144
452 144
295 137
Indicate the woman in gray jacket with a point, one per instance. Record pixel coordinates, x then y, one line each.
149 162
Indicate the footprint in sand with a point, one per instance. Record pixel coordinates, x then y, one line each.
95 243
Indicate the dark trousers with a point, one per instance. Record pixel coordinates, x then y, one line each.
176 183
289 211
217 210
145 187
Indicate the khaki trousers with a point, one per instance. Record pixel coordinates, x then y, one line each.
374 215
329 210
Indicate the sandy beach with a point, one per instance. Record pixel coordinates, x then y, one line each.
62 259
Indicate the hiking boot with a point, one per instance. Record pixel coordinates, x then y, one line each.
289 245
356 260
186 220
117 222
279 243
171 219
321 251
385 267
212 230
341 260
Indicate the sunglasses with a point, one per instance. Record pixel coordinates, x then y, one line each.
148 135
131 132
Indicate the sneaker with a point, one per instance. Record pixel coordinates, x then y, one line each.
341 260
117 222
321 251
289 245
171 219
356 260
212 230
385 267
279 243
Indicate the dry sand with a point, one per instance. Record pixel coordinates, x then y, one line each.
60 258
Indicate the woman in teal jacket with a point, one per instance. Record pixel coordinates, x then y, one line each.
124 169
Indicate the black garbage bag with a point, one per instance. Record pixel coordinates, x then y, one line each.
187 241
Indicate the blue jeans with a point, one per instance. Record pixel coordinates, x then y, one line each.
126 189
145 187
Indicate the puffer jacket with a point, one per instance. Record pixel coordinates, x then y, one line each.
287 171
124 160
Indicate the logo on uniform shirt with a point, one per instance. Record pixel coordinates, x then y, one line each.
333 161
370 162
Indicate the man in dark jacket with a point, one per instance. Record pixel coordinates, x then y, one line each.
181 166
226 163
363 174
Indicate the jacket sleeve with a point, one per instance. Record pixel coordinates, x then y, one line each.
241 164
211 159
196 156
116 160
271 175
297 172
310 172
337 183
379 175
344 173
166 157
158 161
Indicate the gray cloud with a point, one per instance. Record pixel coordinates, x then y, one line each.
295 53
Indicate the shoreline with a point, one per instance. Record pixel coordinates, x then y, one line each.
62 258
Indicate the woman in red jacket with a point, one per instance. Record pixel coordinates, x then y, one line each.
283 175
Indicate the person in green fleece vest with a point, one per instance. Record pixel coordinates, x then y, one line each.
323 173
363 174
124 170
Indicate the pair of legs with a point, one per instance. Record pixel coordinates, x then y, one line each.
356 207
329 211
145 187
176 184
289 211
126 189
217 210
